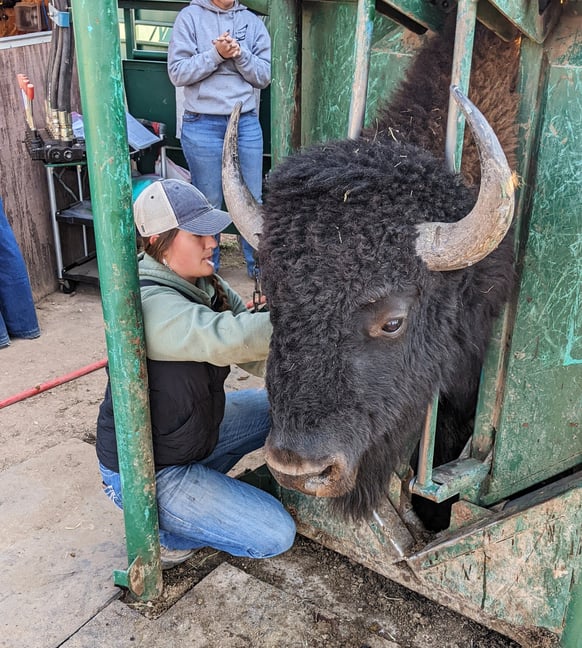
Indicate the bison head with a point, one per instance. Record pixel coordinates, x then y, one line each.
377 302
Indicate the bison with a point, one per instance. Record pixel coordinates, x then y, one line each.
384 275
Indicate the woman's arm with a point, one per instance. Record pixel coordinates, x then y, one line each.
254 64
186 63
177 329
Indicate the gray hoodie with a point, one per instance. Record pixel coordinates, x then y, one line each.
212 85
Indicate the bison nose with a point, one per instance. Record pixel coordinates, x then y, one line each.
328 477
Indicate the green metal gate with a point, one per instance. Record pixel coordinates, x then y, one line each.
511 557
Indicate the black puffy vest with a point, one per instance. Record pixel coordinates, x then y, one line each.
187 406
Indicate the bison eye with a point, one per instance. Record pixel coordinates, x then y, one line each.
392 326
386 318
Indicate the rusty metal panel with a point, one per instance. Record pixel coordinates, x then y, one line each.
511 570
540 427
517 565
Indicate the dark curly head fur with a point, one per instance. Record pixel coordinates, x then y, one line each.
339 261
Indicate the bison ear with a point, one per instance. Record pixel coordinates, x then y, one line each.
452 246
245 211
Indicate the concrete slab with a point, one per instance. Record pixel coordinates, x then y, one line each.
227 609
60 539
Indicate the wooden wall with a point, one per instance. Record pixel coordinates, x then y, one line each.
23 186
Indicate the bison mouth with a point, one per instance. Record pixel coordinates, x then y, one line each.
329 478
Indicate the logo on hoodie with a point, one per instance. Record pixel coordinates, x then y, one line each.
241 33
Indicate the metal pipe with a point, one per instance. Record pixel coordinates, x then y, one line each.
54 224
101 84
460 76
426 449
362 50
285 21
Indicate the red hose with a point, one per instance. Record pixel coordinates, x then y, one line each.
53 383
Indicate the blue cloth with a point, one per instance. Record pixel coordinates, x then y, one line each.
17 312
202 139
199 506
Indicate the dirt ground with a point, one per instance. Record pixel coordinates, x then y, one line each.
73 338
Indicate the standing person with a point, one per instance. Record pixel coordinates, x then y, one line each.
220 52
17 312
195 327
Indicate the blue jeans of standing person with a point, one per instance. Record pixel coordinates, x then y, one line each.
202 139
199 506
17 312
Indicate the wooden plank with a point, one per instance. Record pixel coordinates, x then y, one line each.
23 185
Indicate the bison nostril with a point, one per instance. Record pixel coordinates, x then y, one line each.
322 479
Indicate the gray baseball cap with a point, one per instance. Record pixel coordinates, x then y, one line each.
169 204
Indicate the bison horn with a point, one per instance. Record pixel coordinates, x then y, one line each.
451 246
244 210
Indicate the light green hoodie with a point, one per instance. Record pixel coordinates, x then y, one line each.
177 329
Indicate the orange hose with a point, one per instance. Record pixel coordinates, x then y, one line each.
53 383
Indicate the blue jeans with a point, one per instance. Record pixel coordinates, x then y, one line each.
199 506
202 138
17 313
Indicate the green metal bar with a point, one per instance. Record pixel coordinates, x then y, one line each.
128 21
461 74
572 635
426 449
285 22
362 51
101 86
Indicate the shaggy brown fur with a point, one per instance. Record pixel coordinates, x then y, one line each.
418 111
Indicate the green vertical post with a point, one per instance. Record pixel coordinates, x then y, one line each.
101 85
460 76
285 22
572 635
362 51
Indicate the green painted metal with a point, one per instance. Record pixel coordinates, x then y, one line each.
325 72
517 565
511 569
494 370
460 76
285 20
101 85
572 635
540 425
460 476
422 12
526 17
362 45
426 449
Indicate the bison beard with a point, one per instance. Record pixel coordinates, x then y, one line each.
364 334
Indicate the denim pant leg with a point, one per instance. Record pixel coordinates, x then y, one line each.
250 141
200 506
202 139
17 311
4 339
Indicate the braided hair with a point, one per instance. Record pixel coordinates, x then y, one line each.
157 250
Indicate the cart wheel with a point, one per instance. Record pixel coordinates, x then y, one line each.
68 286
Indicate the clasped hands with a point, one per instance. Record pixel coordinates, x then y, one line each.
227 46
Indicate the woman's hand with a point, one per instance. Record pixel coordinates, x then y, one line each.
261 306
227 46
